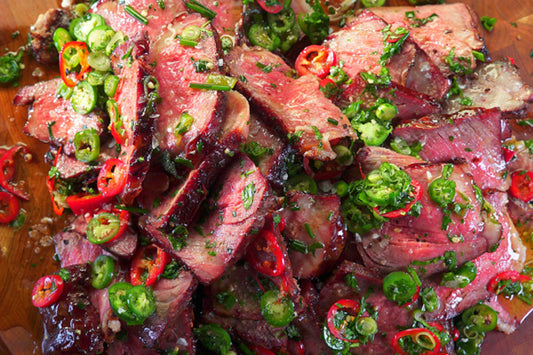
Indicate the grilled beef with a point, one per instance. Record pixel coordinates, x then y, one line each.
296 106
455 28
448 138
228 15
73 249
72 324
179 206
71 168
314 223
496 84
239 210
406 239
51 119
42 32
172 298
509 255
177 66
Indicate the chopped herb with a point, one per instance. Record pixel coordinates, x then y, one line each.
351 281
64 274
132 209
456 66
247 195
255 150
265 68
161 4
479 56
227 299
309 231
333 121
172 270
488 22
50 133
135 14
418 22
202 65
201 9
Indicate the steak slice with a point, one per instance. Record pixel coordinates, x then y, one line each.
403 240
268 152
51 119
179 206
448 138
136 112
456 28
72 324
176 68
314 222
239 210
229 15
495 84
370 158
42 32
73 249
119 20
295 106
509 255
173 298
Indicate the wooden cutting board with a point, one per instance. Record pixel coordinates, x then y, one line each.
26 253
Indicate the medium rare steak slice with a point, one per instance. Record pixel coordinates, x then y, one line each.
315 232
297 107
172 298
267 150
509 255
456 27
119 20
495 84
72 324
239 210
180 204
51 119
404 240
410 67
371 158
73 249
198 113
473 135
228 15
136 112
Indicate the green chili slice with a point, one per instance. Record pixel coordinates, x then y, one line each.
87 144
278 311
480 318
103 227
141 301
103 271
83 98
442 191
399 287
214 338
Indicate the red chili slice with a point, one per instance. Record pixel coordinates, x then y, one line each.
67 73
265 255
415 297
403 211
522 185
112 177
513 276
7 170
83 202
316 60
9 207
414 333
50 183
344 303
508 154
47 291
147 265
272 6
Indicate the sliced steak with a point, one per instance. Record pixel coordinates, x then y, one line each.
370 158
403 240
509 255
119 20
240 208
176 68
51 119
314 222
73 248
136 112
456 28
296 106
268 151
229 15
180 204
495 84
109 322
72 324
172 298
42 32
410 68
448 138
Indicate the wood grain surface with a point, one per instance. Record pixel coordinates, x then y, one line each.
26 254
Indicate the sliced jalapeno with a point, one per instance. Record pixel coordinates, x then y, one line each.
461 276
278 311
141 301
85 25
114 42
282 22
103 228
442 191
302 183
99 61
110 85
119 303
103 271
214 338
99 37
83 98
60 37
399 287
480 318
259 36
87 144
